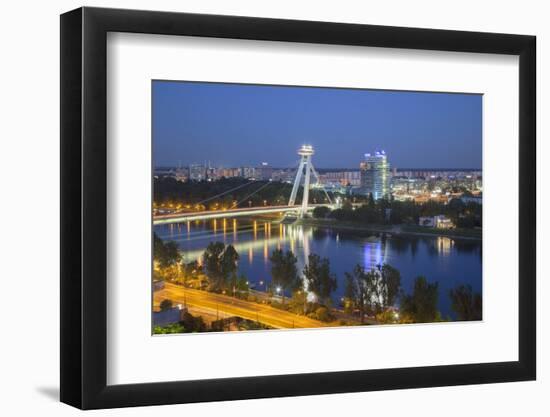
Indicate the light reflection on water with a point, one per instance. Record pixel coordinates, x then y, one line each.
449 261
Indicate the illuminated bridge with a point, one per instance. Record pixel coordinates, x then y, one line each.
210 215
305 170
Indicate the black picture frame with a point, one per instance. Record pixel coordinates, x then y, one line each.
84 207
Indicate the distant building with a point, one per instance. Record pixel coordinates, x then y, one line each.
264 172
375 175
285 175
211 174
181 174
341 178
248 172
197 172
228 172
439 222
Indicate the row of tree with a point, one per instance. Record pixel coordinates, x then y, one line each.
389 211
375 292
168 190
368 292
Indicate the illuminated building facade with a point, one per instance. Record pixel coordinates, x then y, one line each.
375 175
197 172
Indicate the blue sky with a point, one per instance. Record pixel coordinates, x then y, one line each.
236 125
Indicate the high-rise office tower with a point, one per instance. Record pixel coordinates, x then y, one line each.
375 175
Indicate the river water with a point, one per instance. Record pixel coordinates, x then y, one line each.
449 261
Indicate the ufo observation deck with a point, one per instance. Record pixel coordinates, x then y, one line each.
306 150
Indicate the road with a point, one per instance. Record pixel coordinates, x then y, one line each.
229 306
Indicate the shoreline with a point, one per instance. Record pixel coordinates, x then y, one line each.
377 228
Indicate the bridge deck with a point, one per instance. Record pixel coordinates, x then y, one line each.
209 215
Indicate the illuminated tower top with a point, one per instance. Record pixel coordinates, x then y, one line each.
306 150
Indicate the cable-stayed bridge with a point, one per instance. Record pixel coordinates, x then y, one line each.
305 171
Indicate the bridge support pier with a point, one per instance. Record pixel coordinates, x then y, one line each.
304 169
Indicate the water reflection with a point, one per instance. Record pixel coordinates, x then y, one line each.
443 259
374 255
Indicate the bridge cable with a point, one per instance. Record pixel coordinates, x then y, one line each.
250 195
322 186
225 192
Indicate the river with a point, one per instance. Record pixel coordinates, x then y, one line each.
449 261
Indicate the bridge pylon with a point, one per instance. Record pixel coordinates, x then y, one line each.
305 169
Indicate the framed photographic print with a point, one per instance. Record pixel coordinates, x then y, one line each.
293 207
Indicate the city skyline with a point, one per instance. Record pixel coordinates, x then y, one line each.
444 129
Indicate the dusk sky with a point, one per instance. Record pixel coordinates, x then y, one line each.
235 125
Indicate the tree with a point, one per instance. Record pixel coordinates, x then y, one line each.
391 280
171 254
165 304
373 291
190 269
169 328
284 272
358 290
421 305
465 303
347 205
165 253
321 212
192 324
319 279
228 261
242 285
212 264
158 247
371 204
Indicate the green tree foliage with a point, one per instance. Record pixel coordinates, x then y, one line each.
320 281
168 190
298 302
284 272
374 212
165 304
372 291
192 324
228 261
157 276
347 205
220 264
165 253
242 286
321 212
212 264
323 314
370 202
421 305
169 329
368 213
465 303
391 281
358 290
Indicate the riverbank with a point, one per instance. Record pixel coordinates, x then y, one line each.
399 229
